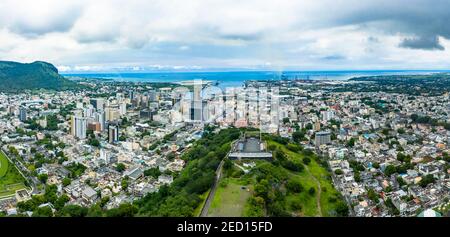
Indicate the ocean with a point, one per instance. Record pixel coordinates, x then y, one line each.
236 78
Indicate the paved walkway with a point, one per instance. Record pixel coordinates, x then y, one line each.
211 194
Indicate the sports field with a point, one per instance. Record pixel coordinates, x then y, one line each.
10 178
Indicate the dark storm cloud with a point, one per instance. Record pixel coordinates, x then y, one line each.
428 43
425 20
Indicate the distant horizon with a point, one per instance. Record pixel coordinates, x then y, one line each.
246 70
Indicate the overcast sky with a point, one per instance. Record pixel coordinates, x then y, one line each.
209 34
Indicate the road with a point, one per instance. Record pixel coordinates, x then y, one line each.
211 194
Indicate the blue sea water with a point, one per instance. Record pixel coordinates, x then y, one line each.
236 78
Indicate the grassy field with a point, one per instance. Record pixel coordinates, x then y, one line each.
311 177
10 178
3 165
230 198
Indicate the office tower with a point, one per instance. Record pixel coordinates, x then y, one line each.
100 117
197 104
122 108
23 114
153 96
113 133
98 103
131 94
79 126
89 111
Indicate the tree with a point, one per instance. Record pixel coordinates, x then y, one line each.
372 195
351 142
427 179
170 156
306 160
43 178
312 191
73 211
389 170
93 142
298 136
43 212
120 167
338 172
153 172
294 186
124 183
66 182
124 210
342 209
376 165
61 201
228 164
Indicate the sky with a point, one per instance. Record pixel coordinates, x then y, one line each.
146 35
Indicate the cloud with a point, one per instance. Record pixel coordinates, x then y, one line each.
428 43
226 33
35 18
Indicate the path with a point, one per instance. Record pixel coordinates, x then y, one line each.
319 191
211 194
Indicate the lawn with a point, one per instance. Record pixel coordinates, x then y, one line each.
3 165
10 178
230 198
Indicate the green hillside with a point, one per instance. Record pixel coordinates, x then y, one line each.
37 75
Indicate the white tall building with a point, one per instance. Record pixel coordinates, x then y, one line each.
79 127
100 117
122 108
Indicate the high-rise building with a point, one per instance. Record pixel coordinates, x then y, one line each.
79 127
98 103
89 111
23 114
100 117
153 96
131 94
327 115
113 133
323 138
122 108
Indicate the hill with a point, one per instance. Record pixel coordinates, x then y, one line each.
16 76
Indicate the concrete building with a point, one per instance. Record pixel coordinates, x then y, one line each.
323 138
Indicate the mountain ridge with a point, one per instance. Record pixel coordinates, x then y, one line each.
16 76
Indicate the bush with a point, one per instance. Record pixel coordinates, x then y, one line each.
294 186
306 160
338 172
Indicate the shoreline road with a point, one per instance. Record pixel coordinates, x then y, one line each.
211 194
